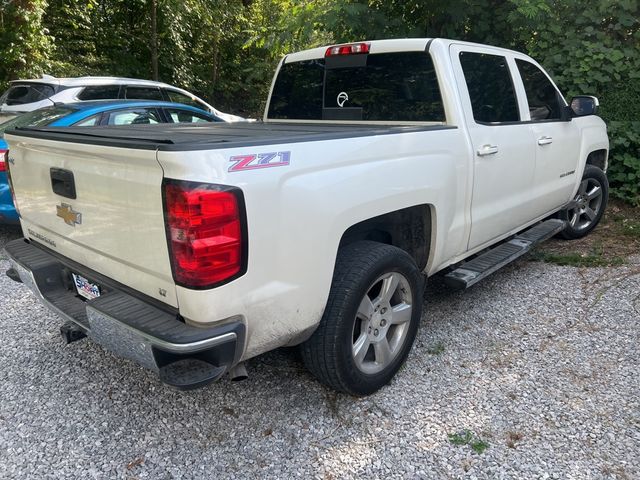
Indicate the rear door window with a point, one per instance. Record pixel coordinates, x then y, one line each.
545 102
177 97
179 115
134 116
100 92
23 93
143 93
490 85
88 122
399 86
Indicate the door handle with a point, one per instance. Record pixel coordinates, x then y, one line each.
487 150
545 140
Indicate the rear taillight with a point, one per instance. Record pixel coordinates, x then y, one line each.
347 49
4 158
206 233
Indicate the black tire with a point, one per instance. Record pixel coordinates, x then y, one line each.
328 353
591 202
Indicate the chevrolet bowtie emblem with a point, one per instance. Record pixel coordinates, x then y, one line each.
70 217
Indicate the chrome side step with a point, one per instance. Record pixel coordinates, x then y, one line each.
474 270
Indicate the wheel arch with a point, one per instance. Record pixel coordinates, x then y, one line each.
598 158
410 229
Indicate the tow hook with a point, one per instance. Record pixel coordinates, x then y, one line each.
71 332
13 275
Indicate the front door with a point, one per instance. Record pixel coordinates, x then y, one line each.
557 142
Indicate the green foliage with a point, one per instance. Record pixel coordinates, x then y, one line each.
436 349
595 258
24 40
593 48
624 160
631 229
226 50
466 437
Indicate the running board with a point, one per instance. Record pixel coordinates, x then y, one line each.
483 265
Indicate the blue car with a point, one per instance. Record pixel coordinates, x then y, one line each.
91 114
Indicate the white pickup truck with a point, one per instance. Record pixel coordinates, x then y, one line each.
191 249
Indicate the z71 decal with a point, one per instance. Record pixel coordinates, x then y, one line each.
260 160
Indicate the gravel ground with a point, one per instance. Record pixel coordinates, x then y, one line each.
538 363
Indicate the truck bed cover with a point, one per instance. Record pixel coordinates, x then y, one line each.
181 137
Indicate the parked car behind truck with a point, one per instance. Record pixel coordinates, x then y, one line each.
28 95
193 249
91 114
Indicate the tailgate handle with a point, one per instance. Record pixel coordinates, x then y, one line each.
62 182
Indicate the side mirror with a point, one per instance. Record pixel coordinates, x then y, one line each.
583 105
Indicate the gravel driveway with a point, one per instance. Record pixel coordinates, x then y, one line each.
533 373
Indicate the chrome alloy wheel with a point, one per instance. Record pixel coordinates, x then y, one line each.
382 323
588 202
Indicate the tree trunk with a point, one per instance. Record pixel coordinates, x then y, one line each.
154 40
214 64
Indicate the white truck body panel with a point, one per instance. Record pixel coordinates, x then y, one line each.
122 232
297 215
288 276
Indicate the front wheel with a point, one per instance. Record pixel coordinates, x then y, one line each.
588 205
370 321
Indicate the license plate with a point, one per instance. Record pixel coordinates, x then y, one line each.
85 288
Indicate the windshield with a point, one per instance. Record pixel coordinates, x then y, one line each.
22 93
37 118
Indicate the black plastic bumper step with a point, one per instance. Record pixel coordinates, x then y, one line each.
13 275
483 265
190 373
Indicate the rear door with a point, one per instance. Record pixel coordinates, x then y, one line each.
112 219
504 163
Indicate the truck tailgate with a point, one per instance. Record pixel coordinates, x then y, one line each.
115 223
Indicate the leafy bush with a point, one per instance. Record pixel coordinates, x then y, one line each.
624 160
594 48
620 107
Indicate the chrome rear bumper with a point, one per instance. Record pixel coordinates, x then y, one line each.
127 324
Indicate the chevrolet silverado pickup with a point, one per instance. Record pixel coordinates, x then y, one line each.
190 249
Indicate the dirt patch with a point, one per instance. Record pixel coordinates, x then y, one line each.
613 241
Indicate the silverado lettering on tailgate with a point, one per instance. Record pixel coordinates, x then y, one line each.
259 160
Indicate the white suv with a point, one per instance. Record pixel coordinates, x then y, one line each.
29 95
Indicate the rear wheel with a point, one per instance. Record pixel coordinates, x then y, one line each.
588 205
370 321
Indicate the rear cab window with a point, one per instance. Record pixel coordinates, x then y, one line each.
24 93
383 87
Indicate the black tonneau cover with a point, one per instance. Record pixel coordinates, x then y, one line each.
180 137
